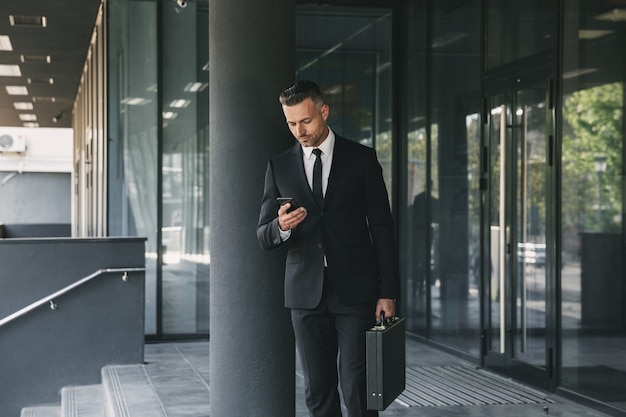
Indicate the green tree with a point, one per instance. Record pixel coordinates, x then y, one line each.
593 125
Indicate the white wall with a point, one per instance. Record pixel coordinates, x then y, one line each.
35 185
47 150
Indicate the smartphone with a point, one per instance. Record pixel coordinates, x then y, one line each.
285 200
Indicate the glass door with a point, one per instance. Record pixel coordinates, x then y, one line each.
518 133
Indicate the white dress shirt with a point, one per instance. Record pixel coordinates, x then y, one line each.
327 159
308 156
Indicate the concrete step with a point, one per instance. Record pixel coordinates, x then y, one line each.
128 392
174 382
82 401
41 411
180 376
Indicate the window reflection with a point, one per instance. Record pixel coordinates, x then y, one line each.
351 62
593 289
454 172
415 261
519 29
185 261
442 213
132 146
170 204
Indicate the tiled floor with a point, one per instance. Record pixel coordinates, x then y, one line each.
186 365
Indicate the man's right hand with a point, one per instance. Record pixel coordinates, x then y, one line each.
287 221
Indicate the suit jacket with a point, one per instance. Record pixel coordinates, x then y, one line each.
353 229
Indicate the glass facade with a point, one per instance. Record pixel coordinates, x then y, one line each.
133 148
453 175
593 287
158 154
351 62
416 240
184 195
500 128
518 188
441 210
518 29
517 135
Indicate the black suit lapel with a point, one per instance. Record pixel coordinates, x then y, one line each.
300 175
305 197
338 165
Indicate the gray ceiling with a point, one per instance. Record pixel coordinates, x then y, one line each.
52 86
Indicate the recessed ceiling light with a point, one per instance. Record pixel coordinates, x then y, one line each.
10 70
180 103
135 101
615 15
28 21
31 124
448 38
40 80
16 90
578 72
27 117
194 87
35 59
23 105
593 34
5 43
43 99
336 89
169 115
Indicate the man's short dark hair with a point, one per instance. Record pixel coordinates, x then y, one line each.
300 91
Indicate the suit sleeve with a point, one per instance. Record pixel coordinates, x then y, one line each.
267 231
381 228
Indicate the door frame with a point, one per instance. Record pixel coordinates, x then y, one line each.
509 80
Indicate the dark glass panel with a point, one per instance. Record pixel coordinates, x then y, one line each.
593 292
454 171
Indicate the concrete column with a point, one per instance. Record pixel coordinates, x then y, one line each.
251 59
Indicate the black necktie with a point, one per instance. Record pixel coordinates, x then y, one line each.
317 177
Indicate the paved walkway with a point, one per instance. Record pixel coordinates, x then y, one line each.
438 385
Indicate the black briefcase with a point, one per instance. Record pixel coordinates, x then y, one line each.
385 362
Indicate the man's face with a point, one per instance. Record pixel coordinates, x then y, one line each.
307 122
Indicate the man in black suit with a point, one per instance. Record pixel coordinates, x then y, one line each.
341 269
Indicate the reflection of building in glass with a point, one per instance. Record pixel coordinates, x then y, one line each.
515 259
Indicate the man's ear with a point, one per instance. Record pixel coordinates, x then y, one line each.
325 111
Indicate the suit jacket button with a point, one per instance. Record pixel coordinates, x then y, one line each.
320 246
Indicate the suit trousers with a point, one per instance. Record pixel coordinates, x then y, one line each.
331 343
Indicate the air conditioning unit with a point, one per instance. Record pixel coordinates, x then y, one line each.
12 143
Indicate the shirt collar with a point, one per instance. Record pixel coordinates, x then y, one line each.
326 147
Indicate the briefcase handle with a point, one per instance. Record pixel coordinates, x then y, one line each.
382 325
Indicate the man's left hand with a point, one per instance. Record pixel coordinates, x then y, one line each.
388 305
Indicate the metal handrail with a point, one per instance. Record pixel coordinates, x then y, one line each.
51 297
